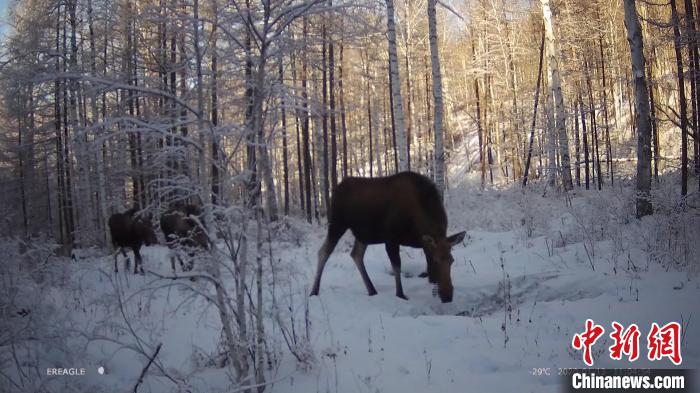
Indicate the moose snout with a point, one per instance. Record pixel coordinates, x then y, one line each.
446 294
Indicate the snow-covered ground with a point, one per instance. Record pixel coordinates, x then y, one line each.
526 278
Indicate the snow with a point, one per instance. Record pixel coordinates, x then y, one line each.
526 278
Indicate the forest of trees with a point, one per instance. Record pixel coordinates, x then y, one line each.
255 111
113 104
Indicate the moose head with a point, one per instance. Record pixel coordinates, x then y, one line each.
438 252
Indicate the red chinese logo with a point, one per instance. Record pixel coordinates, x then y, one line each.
627 342
665 342
586 340
662 342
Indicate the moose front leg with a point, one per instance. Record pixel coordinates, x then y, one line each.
116 258
138 261
393 250
428 271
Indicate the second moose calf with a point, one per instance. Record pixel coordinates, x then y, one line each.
181 225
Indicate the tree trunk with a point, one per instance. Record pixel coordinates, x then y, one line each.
551 140
370 122
534 111
677 44
553 63
396 88
577 141
479 128
393 127
488 123
324 115
608 147
654 121
437 98
642 112
204 179
584 137
297 116
216 195
691 33
342 113
285 153
305 125
331 97
594 128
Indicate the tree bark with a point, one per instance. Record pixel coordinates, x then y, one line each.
396 88
584 137
343 121
577 142
439 160
331 98
677 44
324 115
305 124
297 116
285 153
216 196
642 111
608 147
558 97
693 56
479 127
534 111
654 121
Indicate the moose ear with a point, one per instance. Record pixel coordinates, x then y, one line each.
456 238
428 242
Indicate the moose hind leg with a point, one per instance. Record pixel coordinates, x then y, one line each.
392 249
358 255
335 232
126 260
323 254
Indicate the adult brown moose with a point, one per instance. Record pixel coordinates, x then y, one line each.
132 232
181 225
400 210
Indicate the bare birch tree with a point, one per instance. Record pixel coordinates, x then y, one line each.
401 141
558 97
439 160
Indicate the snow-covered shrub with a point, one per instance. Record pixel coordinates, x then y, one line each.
671 234
36 329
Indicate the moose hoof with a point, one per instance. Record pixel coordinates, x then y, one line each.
314 292
402 296
372 292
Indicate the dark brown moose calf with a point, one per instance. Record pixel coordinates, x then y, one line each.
400 210
132 232
182 230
